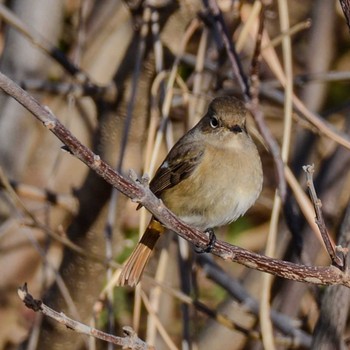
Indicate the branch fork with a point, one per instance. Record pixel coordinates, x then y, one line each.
333 251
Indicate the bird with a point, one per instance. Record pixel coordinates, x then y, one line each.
211 176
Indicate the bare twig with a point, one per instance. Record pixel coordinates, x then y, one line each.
35 222
255 65
71 88
92 89
142 194
65 201
282 322
129 341
232 55
323 126
250 333
158 324
336 260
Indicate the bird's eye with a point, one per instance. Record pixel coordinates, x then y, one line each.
236 129
214 122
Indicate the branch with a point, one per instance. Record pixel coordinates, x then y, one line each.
138 192
129 341
336 260
220 26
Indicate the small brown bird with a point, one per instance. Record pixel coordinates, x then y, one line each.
211 176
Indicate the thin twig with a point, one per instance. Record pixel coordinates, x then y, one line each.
250 333
157 323
336 260
70 88
324 127
233 286
66 201
232 55
58 278
255 64
129 341
267 280
265 309
43 44
201 80
254 11
36 223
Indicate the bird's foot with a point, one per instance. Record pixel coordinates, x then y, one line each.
210 245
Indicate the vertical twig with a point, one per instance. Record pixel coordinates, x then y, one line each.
158 324
237 68
266 323
255 65
336 260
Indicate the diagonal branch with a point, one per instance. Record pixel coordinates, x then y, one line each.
129 341
138 192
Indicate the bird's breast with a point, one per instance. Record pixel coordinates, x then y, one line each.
221 189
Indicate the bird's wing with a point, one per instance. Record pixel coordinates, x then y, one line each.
180 163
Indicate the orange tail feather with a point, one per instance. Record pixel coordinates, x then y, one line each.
133 268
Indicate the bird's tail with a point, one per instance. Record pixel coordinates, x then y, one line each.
133 267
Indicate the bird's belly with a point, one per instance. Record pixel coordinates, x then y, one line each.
213 201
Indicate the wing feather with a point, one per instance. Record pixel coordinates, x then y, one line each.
179 165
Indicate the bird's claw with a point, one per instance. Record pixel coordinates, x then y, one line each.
210 245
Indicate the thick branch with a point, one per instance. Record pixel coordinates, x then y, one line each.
139 193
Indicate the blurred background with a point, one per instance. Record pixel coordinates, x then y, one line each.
128 78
